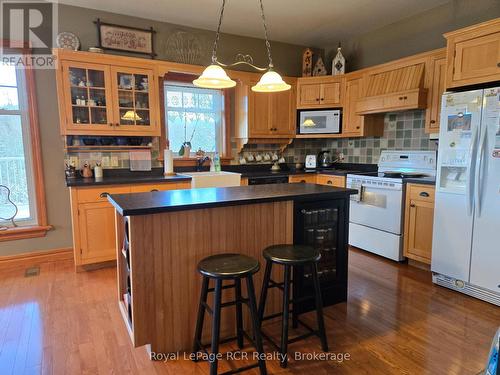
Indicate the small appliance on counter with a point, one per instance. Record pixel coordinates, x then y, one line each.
325 159
319 121
310 161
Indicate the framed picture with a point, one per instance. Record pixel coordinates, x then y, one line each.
124 38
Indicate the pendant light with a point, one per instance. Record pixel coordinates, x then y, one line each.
214 75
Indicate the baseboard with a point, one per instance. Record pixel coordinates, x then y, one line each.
35 257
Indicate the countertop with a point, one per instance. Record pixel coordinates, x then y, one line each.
125 179
189 199
422 180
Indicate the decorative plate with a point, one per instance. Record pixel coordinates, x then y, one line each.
67 40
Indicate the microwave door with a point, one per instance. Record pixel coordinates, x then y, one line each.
313 124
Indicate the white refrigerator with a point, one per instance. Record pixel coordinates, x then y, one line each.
466 238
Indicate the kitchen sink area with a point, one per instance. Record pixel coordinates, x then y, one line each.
213 179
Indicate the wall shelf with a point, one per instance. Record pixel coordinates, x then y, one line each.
100 148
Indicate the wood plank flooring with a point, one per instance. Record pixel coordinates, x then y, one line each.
395 322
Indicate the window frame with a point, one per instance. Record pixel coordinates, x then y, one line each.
225 152
40 226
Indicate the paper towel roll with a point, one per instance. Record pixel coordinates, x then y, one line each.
168 162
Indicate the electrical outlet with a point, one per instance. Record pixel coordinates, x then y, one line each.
114 161
73 160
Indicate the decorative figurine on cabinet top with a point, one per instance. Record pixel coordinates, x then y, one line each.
319 68
338 63
307 63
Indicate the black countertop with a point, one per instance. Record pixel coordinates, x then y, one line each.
421 180
177 200
120 177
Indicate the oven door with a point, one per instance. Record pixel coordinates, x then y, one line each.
378 204
319 121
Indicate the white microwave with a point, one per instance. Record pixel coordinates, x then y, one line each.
319 121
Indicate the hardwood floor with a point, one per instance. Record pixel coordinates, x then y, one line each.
396 322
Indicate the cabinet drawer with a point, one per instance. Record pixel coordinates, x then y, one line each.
145 188
303 178
99 194
324 179
424 193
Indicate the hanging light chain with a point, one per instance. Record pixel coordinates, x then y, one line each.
217 35
268 45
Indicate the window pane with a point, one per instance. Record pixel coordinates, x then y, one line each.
193 115
12 163
8 98
7 75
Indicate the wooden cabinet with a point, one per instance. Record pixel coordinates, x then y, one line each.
319 92
302 178
330 180
419 218
93 219
97 97
272 115
473 54
437 78
393 102
354 125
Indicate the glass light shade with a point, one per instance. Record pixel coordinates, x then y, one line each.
271 82
308 123
214 77
131 116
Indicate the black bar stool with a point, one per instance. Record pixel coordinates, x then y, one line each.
291 256
228 267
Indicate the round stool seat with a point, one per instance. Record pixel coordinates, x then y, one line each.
227 266
291 254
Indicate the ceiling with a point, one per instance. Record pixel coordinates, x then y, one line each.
317 23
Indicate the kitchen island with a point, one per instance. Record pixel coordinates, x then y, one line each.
168 232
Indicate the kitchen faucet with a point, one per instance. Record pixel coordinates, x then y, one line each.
200 161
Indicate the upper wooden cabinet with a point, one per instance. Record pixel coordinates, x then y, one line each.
354 125
395 87
319 92
96 97
436 84
271 115
473 54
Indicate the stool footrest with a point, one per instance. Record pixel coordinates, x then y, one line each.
272 316
241 369
223 287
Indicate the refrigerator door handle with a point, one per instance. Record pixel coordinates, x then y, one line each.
479 172
470 174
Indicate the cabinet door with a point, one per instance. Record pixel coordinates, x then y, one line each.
330 93
477 60
97 232
351 124
309 94
135 101
438 67
420 222
146 188
283 112
87 98
259 114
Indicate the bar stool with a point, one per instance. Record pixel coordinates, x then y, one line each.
291 256
228 267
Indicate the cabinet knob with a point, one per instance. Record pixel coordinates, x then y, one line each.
433 121
302 181
329 182
152 190
400 98
110 124
322 99
405 97
358 127
412 205
498 64
424 194
117 124
317 99
104 195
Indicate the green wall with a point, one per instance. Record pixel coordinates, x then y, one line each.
287 60
416 34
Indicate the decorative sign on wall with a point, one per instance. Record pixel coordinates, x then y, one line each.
183 47
307 61
124 38
338 63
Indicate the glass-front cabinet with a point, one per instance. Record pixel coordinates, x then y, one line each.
100 99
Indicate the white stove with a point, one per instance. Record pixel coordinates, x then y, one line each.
376 212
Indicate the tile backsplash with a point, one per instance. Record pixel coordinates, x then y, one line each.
402 131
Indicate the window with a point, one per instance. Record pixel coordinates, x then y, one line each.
15 146
194 115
